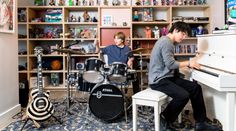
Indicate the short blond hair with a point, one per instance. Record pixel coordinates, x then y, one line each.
120 35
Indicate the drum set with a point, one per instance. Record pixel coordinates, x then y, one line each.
108 99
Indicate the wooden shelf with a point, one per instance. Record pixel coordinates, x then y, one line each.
45 23
46 39
81 23
144 39
114 27
104 34
150 23
48 71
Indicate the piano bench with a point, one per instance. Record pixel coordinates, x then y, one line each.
149 97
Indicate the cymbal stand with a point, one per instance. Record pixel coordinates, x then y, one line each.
68 81
141 68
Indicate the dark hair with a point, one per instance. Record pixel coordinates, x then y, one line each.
120 35
181 26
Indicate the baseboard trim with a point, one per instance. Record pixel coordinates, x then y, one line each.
6 117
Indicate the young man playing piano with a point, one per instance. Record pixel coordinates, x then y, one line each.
161 77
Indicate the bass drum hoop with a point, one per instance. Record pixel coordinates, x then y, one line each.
104 104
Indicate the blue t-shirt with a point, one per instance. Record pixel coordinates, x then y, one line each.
117 54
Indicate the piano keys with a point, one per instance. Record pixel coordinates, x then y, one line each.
217 57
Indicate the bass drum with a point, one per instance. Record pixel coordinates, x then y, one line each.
106 102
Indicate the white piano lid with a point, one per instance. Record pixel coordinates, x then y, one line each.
218 51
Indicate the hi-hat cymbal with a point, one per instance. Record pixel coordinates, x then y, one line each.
69 51
140 50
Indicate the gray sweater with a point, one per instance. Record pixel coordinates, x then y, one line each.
162 62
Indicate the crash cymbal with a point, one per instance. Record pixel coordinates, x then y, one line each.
69 51
140 50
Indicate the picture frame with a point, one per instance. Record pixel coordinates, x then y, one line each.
107 20
7 16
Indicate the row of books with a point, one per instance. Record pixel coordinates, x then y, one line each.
185 48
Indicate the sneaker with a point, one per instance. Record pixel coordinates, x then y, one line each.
204 126
166 126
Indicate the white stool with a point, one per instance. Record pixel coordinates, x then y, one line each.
149 97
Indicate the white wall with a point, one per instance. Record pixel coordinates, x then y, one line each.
9 100
217 13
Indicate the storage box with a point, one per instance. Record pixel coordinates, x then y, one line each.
33 82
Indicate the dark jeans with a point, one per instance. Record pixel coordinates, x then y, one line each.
136 87
181 90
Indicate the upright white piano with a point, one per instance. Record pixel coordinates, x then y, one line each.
217 55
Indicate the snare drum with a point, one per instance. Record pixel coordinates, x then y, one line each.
93 67
131 75
118 74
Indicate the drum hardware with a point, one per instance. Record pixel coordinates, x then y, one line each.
93 67
79 66
69 78
118 72
140 51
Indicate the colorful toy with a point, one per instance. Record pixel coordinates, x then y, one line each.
156 32
148 32
56 65
52 3
86 16
164 31
136 16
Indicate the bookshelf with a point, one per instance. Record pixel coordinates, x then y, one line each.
55 33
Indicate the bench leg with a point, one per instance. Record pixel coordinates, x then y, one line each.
134 111
180 118
156 117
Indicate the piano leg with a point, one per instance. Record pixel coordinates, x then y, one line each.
230 112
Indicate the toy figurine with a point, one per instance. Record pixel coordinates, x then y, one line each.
115 2
167 2
156 32
125 2
164 31
138 2
61 2
180 2
163 2
72 18
105 2
148 32
146 2
94 19
155 2
136 16
185 2
199 30
204 2
86 16
52 3
190 2
199 2
85 33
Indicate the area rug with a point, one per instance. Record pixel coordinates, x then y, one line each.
78 118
